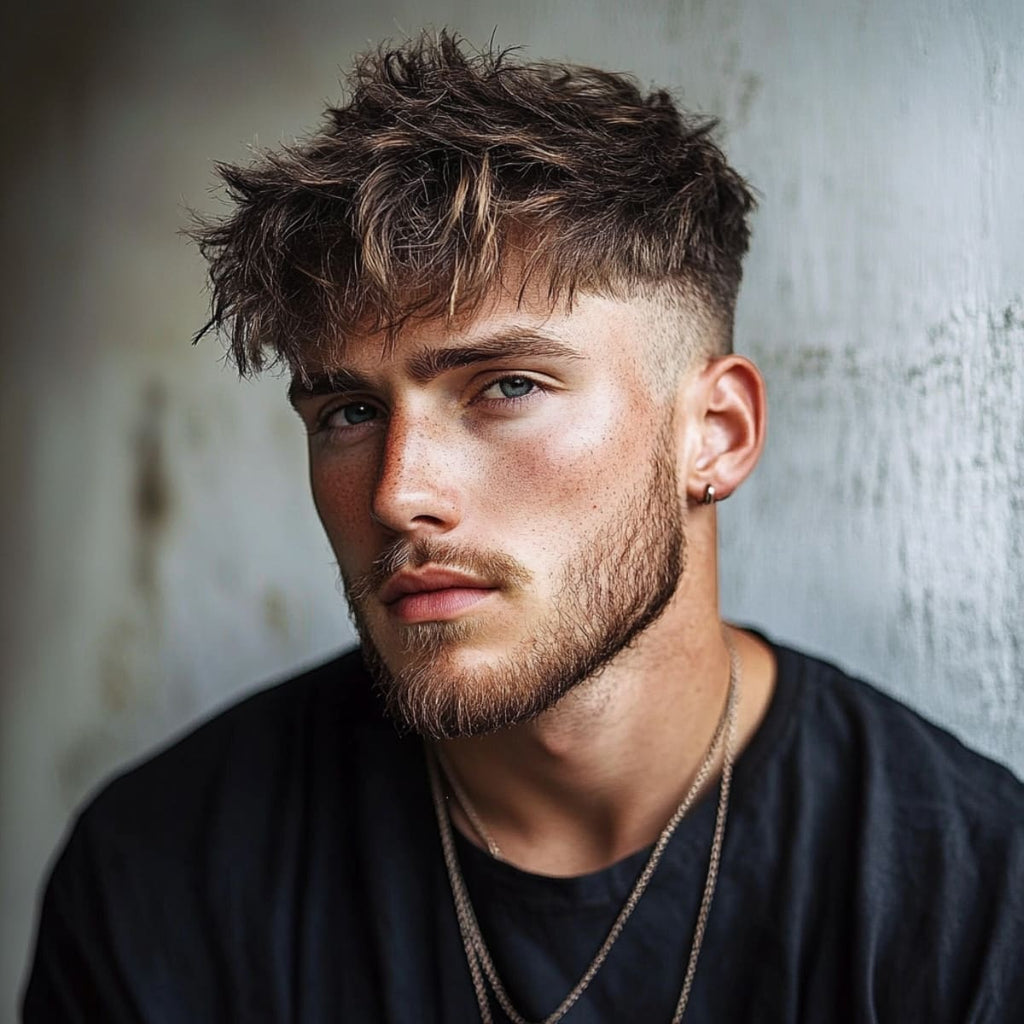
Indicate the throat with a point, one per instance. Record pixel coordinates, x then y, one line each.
567 816
596 779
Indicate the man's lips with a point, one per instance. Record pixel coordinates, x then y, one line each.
432 594
420 581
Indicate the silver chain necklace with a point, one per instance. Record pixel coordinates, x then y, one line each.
478 957
462 799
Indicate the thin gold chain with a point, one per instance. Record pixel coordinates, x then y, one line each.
478 957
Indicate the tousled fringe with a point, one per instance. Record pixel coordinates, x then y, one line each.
446 166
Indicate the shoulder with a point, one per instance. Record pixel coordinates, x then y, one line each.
244 771
915 808
267 722
926 835
198 843
920 767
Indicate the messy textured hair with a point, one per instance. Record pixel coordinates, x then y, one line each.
447 168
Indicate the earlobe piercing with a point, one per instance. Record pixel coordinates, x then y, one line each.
709 495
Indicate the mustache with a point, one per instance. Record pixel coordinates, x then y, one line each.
494 567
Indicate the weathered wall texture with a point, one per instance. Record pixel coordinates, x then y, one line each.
159 547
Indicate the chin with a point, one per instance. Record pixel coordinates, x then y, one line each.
452 687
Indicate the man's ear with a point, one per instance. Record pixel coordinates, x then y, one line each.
729 411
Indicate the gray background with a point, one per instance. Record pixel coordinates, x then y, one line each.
160 552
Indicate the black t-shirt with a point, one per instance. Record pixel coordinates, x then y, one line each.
282 863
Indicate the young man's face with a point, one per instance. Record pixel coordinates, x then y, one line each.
502 502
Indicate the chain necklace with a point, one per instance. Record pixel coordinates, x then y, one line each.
478 957
462 798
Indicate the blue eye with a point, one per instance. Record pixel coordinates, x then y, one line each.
357 412
516 387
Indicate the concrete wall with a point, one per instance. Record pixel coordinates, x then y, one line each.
159 547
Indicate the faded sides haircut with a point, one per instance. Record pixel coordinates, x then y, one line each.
448 168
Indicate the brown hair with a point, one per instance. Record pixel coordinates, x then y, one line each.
446 166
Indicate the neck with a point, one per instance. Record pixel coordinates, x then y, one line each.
597 777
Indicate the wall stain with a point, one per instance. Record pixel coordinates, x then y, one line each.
1013 316
152 504
275 611
750 87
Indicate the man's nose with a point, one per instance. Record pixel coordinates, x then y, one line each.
416 488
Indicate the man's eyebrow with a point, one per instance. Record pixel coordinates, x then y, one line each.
426 365
327 382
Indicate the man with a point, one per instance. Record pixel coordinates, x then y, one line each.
553 784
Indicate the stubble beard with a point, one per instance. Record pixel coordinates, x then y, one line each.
610 591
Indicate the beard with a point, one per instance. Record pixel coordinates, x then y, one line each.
616 585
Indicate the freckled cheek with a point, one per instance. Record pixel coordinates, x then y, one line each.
342 501
567 468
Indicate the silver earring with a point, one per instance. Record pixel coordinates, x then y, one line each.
709 494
